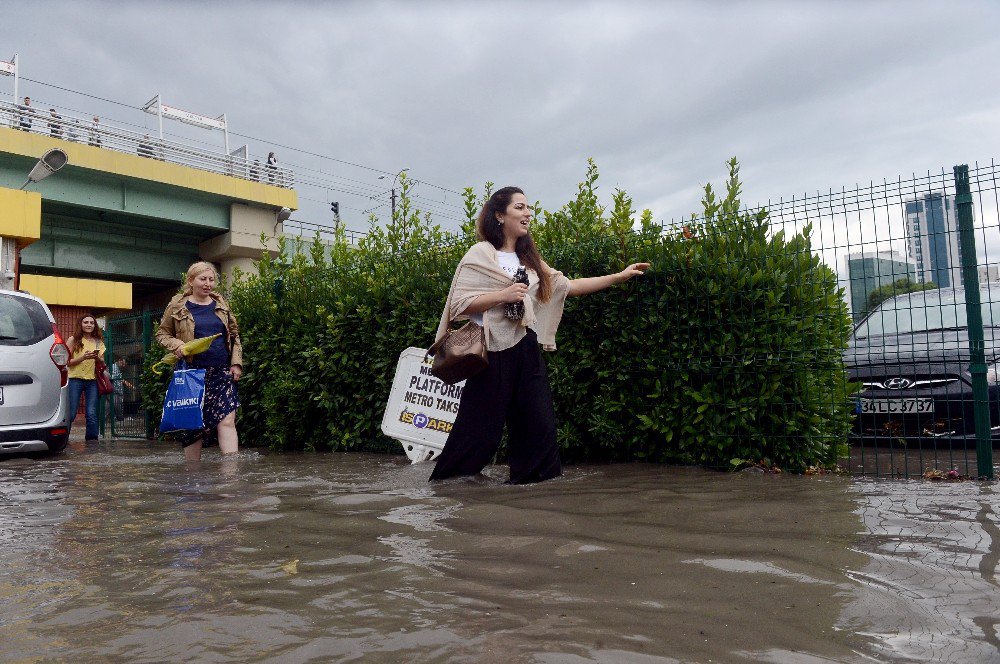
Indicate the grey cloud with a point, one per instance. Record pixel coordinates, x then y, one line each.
809 95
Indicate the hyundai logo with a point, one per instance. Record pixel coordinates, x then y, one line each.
898 383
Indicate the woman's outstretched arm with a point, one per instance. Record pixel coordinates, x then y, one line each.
588 285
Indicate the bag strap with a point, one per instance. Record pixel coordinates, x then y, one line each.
447 325
437 344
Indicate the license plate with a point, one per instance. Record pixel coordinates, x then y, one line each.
897 406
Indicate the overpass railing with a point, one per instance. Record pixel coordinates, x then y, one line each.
101 135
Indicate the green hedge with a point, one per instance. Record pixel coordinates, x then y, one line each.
727 352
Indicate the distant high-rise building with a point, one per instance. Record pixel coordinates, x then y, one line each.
869 270
932 239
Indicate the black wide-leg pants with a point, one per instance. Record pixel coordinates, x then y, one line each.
513 389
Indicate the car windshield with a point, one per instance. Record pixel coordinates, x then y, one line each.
22 321
937 309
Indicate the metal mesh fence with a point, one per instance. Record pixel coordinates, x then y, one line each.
911 276
921 287
129 341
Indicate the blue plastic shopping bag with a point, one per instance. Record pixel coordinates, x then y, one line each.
185 398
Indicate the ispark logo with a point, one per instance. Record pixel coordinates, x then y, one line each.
422 421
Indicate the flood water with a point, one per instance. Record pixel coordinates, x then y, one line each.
120 552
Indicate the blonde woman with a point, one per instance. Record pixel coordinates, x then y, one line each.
201 312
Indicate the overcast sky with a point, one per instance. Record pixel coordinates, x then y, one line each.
808 95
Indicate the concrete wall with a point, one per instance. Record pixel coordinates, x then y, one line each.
242 244
20 215
85 247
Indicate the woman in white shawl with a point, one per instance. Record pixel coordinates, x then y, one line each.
514 388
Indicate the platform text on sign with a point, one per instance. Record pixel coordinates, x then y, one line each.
434 386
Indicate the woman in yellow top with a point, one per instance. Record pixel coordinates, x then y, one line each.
85 346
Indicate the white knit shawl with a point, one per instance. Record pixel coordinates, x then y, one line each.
479 272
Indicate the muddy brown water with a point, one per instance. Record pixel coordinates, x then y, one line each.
121 552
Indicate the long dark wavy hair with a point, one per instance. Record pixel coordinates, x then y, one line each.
78 334
488 228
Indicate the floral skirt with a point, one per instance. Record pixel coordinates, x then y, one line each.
221 398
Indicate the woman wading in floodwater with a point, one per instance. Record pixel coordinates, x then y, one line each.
201 312
514 388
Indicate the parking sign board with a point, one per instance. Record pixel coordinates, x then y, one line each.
421 408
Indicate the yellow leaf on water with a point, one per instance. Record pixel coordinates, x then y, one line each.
292 567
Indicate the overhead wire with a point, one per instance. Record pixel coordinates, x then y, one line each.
436 213
369 191
423 204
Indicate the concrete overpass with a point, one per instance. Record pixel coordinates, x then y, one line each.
113 231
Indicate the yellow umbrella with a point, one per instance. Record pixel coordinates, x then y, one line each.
190 348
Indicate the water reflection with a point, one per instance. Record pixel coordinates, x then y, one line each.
929 591
753 567
121 552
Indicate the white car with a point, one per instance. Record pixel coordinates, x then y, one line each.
34 412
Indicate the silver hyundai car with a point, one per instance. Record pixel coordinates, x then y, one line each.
34 413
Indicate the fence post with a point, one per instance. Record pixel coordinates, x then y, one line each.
147 340
974 313
108 403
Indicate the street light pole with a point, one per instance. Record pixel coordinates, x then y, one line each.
50 162
393 192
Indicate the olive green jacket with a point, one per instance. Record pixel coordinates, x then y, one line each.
177 327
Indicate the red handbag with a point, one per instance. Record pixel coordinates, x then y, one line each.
104 384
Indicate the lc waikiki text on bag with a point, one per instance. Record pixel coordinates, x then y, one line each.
182 407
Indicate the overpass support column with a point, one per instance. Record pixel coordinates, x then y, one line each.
242 245
20 225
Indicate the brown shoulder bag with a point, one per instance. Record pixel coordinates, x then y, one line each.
459 354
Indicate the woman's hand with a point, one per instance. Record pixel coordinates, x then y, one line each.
588 285
633 270
179 352
513 293
236 371
509 295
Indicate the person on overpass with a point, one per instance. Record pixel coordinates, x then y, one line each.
25 115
